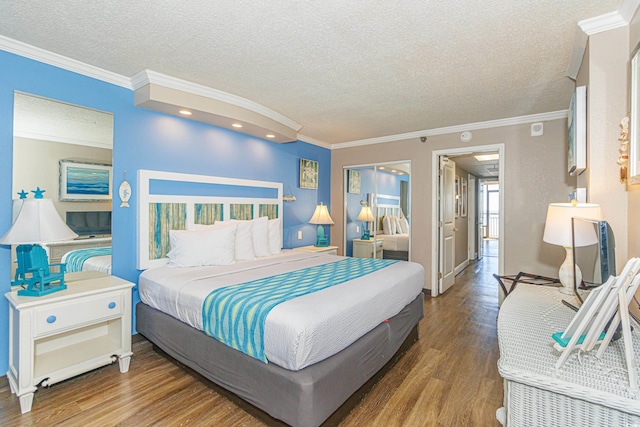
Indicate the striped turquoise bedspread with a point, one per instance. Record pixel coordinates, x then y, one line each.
75 259
235 315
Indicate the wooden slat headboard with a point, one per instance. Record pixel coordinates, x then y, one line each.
206 199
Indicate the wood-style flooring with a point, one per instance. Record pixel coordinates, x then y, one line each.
448 378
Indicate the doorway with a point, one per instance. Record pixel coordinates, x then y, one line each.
474 164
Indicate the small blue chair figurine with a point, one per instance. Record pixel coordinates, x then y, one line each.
34 271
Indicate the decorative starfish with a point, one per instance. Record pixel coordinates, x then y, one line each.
38 193
23 194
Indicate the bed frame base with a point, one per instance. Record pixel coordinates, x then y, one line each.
322 393
334 419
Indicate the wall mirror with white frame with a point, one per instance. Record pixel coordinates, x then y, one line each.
46 132
380 193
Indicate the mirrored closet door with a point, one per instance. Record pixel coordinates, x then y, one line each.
377 211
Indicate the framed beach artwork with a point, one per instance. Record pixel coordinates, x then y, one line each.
354 182
308 174
84 181
577 130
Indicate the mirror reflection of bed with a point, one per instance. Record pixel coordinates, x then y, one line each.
385 188
46 132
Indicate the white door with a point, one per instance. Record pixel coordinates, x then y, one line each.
471 216
446 223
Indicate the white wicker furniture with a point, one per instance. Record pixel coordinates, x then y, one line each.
586 391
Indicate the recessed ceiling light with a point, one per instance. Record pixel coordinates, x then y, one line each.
400 173
393 171
271 136
382 167
487 157
185 112
236 125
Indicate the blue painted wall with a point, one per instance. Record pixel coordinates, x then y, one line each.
385 183
148 140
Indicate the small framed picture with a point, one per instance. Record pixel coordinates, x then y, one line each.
85 181
308 174
463 198
354 182
456 194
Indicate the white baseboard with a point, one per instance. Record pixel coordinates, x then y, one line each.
461 267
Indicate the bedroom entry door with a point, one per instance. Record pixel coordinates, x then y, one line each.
446 224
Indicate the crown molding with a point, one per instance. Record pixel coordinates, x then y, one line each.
313 141
47 57
145 77
611 20
554 115
595 25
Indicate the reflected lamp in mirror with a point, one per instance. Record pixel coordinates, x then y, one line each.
558 231
38 222
321 217
366 216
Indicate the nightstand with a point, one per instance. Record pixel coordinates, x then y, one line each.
330 250
365 248
67 333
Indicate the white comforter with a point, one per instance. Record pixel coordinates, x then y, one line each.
302 331
394 242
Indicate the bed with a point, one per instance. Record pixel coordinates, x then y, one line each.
89 259
395 244
310 371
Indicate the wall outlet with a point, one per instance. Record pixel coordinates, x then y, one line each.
299 234
357 228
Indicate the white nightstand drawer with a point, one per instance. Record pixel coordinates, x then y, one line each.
75 313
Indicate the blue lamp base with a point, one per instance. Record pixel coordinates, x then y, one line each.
365 232
321 241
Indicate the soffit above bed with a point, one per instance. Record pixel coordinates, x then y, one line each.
169 95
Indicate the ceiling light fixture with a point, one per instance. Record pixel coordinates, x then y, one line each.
185 112
236 125
487 157
381 167
271 135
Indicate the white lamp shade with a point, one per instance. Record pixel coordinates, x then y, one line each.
365 214
557 228
321 215
37 222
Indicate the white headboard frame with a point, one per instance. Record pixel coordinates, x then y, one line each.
381 210
145 199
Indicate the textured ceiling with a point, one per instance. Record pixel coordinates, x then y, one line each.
344 70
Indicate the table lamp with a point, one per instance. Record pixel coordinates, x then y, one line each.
37 222
557 231
321 217
366 216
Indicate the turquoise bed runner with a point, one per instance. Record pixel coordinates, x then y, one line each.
75 259
235 315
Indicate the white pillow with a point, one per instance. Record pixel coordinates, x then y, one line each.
404 225
386 224
392 225
275 236
244 240
213 246
260 233
398 225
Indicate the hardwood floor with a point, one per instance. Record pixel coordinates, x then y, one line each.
448 378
